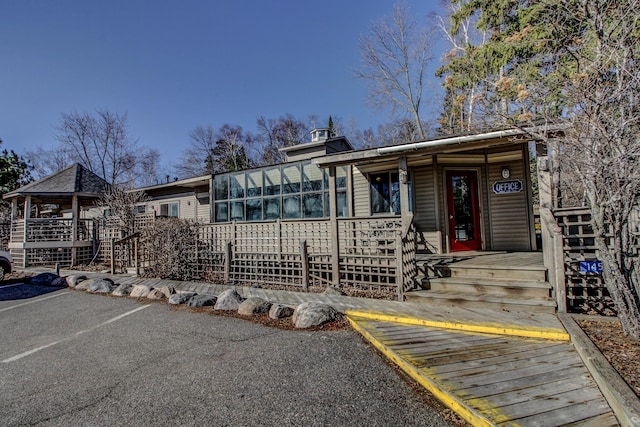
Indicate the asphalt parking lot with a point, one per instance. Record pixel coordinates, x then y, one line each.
72 358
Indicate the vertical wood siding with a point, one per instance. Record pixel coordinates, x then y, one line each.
360 193
509 219
424 203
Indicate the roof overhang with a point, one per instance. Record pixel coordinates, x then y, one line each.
195 182
450 144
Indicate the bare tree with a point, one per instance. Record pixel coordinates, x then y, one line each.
274 134
100 142
195 159
47 161
121 205
395 57
213 151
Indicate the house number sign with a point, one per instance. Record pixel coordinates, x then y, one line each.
507 187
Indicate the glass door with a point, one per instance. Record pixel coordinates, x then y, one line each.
463 210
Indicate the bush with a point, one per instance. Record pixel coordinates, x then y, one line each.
169 247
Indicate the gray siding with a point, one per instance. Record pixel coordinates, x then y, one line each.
424 198
360 193
509 217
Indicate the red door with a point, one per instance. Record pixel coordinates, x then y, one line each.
464 211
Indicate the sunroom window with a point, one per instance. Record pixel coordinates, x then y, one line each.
296 190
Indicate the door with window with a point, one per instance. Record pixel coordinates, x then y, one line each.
463 210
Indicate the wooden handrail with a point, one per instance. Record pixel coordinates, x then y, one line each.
127 238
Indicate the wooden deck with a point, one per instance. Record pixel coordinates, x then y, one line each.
511 281
495 379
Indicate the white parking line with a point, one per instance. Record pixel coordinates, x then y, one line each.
77 334
32 301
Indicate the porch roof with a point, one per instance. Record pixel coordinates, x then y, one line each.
188 183
447 144
74 180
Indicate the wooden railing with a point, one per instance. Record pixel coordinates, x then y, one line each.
49 230
372 253
552 242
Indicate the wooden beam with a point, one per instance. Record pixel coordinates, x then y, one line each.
333 218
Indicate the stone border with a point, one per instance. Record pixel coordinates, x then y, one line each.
623 401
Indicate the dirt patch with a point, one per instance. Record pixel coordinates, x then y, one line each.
621 351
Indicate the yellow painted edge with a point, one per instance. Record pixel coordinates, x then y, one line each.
445 397
487 328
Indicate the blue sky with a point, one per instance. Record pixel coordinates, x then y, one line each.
175 65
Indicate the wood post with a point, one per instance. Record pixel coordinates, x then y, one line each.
403 174
135 256
333 218
399 267
227 261
304 254
560 286
113 256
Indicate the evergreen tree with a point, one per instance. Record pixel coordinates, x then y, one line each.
573 63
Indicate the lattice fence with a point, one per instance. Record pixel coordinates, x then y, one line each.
586 291
300 253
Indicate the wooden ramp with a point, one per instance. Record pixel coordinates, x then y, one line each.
494 379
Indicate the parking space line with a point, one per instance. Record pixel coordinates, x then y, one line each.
75 335
32 301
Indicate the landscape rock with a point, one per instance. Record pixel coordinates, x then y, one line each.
74 279
253 305
84 285
101 286
279 311
156 294
309 314
122 290
202 300
59 281
44 279
228 300
167 290
181 298
139 291
333 290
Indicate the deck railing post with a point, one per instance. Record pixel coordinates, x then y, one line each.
399 267
305 264
227 262
135 256
113 256
561 288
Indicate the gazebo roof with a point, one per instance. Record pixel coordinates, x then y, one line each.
74 180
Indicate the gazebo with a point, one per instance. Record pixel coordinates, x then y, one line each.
52 219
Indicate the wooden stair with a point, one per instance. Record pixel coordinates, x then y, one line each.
505 282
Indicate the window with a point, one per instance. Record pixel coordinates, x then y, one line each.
169 209
385 193
291 179
291 191
341 187
272 181
221 211
254 183
236 185
221 187
140 209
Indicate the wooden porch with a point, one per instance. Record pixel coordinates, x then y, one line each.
513 281
47 241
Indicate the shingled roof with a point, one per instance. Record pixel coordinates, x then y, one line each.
76 179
